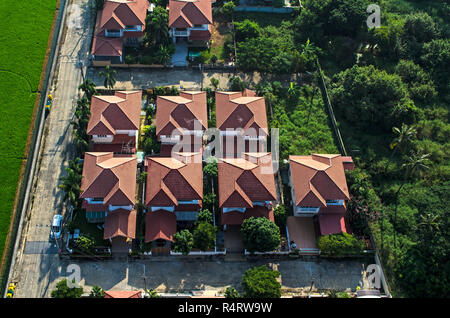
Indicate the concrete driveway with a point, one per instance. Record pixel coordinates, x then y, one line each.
211 277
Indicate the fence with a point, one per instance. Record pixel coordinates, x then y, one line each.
327 101
33 151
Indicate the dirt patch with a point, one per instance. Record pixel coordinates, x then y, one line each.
218 32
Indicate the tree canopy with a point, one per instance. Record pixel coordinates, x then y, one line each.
260 234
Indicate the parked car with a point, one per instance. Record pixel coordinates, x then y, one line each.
55 232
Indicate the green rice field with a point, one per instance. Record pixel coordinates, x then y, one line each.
25 31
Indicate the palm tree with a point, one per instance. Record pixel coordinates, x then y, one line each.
71 183
109 76
430 221
157 26
403 137
163 54
88 87
416 163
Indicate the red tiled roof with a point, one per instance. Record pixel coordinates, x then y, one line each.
119 112
109 177
331 223
245 180
119 13
186 13
174 178
240 110
236 218
200 35
180 112
160 225
103 46
318 178
122 294
115 15
120 222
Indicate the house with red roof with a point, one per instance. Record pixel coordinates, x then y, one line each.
180 121
119 23
319 197
173 194
246 188
191 20
242 121
114 121
108 188
123 294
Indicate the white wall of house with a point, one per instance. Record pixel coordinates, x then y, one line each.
116 207
102 139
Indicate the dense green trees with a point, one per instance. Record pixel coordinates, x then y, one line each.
246 29
183 242
319 19
372 99
261 282
151 145
204 215
260 235
157 27
204 236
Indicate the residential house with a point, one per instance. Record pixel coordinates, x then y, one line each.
119 23
190 20
173 195
123 294
242 121
246 188
319 196
181 120
114 122
108 191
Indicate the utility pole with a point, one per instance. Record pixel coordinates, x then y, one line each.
81 65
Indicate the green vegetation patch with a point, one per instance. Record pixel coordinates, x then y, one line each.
25 29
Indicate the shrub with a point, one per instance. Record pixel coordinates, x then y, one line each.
183 242
227 10
339 244
84 242
261 282
236 84
129 59
205 216
204 236
280 215
231 292
97 292
260 235
63 291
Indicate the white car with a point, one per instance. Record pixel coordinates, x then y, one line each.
55 232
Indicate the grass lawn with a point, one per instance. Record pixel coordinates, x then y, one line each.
25 29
